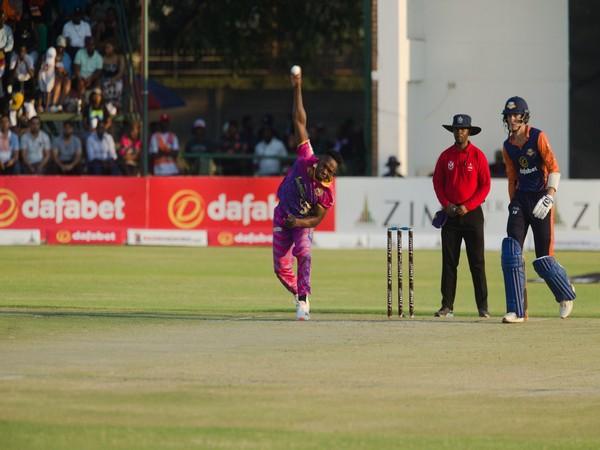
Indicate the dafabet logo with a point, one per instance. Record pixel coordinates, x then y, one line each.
186 209
9 207
225 238
58 209
63 236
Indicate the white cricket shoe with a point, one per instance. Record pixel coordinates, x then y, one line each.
303 310
565 308
511 317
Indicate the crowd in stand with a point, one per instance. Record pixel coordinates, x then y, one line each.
238 151
60 57
61 88
268 151
52 55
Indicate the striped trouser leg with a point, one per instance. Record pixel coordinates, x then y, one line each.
302 252
283 262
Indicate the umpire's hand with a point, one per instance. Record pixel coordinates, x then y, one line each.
451 210
461 210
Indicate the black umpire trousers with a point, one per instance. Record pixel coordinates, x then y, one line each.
470 228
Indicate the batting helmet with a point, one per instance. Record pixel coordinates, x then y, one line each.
516 105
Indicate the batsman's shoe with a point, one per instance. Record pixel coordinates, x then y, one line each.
512 317
565 308
444 312
303 310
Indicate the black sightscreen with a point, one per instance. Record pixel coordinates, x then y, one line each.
584 98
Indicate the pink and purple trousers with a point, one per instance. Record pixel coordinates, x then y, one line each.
287 245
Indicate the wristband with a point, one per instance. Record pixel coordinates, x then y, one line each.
553 180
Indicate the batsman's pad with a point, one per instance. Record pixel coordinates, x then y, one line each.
555 277
513 269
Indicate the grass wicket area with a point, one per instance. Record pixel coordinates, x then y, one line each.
152 348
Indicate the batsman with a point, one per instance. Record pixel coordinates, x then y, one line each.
533 179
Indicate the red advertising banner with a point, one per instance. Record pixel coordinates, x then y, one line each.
233 204
83 202
98 210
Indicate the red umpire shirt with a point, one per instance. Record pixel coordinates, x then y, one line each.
462 177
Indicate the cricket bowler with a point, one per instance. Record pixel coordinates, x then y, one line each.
305 195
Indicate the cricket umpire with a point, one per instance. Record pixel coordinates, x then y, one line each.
461 181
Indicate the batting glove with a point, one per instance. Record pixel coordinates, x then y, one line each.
543 207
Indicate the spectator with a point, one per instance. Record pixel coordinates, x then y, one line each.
66 152
164 147
392 164
101 152
87 67
6 46
47 78
232 145
497 168
40 12
26 35
130 150
198 144
9 148
62 84
21 76
269 146
35 148
13 10
16 109
96 111
113 69
6 33
76 30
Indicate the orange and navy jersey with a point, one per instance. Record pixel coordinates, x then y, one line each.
528 165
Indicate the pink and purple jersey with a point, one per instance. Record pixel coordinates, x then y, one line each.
300 192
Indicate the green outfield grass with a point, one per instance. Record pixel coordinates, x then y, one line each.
151 348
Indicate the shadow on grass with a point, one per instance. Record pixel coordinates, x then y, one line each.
265 315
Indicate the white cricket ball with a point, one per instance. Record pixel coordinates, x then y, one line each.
295 70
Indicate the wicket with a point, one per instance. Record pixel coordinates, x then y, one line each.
411 273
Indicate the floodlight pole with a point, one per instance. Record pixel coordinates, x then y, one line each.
145 84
